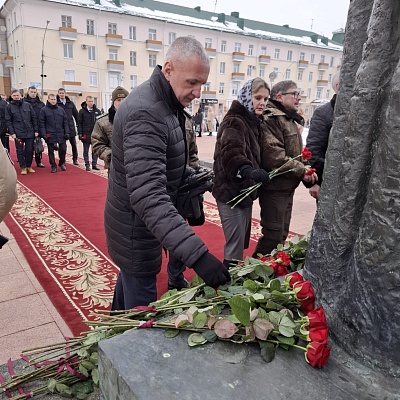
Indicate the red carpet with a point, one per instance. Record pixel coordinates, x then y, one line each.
58 223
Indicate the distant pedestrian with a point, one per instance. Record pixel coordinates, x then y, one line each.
5 140
86 119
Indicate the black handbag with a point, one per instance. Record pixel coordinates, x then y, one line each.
38 145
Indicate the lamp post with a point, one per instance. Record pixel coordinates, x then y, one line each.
42 60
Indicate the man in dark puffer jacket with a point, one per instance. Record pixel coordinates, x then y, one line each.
147 168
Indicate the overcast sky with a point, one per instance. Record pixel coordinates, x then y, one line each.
320 16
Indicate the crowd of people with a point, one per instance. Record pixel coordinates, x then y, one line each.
148 143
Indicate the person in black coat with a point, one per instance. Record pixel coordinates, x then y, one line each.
22 126
69 107
5 140
318 137
33 99
86 119
54 128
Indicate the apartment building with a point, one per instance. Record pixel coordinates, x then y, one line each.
91 46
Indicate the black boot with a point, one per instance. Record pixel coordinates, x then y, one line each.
3 241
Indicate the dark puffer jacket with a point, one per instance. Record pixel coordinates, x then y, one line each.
72 113
318 136
86 121
21 119
237 145
36 104
147 167
53 124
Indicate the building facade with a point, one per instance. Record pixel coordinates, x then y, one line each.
90 47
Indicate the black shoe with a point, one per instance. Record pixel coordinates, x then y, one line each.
40 165
75 162
178 283
210 134
95 167
87 168
53 170
63 167
3 241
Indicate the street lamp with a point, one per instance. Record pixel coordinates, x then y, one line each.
42 60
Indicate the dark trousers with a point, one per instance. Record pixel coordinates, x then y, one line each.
62 150
131 291
175 268
276 212
74 148
24 149
86 146
5 140
38 157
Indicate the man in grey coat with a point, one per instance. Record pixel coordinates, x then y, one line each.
147 167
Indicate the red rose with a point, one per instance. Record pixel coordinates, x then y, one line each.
318 334
307 305
266 259
304 290
285 258
280 270
317 354
84 137
306 154
294 278
310 171
316 318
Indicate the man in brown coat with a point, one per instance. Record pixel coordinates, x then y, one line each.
281 141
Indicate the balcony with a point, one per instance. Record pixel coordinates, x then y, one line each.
8 61
211 52
264 59
115 66
68 33
237 56
154 45
323 66
208 94
238 76
113 40
72 87
302 64
322 83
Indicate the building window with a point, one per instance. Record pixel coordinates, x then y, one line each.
90 27
328 94
113 80
133 79
113 54
322 60
332 61
236 67
310 77
208 43
330 78
318 94
171 37
249 69
300 76
92 78
152 60
16 48
320 75
263 50
238 47
91 53
309 93
206 87
112 28
223 46
289 55
235 89
68 50
287 74
132 58
19 75
95 100
15 19
262 72
152 34
312 58
221 88
276 54
222 68
302 56
69 75
132 32
251 49
66 21
307 110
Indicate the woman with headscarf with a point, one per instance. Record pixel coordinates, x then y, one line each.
237 165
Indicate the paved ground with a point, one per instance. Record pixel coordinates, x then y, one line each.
28 318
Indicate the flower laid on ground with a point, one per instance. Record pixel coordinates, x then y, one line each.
254 308
305 155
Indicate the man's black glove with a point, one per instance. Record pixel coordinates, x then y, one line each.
66 136
257 175
80 137
211 270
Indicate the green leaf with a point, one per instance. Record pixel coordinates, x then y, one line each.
262 328
264 271
94 358
257 297
275 285
181 320
287 322
209 292
196 281
87 364
82 388
245 271
171 333
62 389
274 317
237 289
199 320
267 351
210 336
225 294
233 319
262 314
95 376
188 295
83 370
51 385
196 339
286 340
241 308
250 285
285 331
225 329
81 396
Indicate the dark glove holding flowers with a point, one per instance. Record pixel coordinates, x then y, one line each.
257 175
